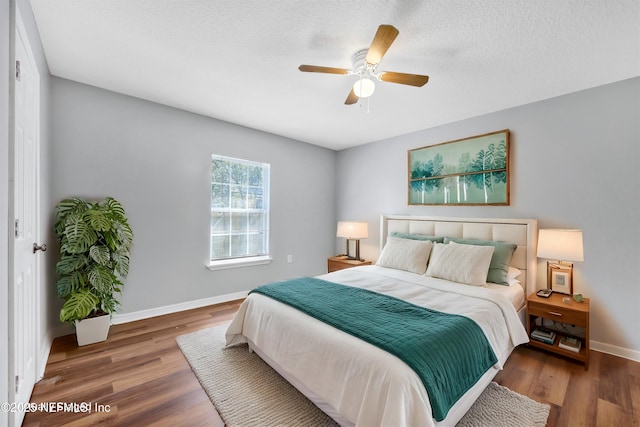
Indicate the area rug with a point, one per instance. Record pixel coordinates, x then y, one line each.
247 392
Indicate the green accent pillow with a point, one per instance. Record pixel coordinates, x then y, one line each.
414 236
500 260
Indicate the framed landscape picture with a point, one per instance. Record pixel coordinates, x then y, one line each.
469 171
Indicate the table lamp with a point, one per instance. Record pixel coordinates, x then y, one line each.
353 230
562 245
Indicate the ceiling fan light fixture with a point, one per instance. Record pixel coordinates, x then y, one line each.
365 63
364 87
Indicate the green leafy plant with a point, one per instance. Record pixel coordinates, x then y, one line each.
95 242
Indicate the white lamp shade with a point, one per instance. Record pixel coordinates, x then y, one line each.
559 244
353 229
364 88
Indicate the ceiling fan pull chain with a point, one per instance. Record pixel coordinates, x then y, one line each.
368 104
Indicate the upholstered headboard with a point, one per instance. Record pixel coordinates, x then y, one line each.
522 232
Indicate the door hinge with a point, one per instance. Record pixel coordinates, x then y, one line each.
18 70
16 228
17 383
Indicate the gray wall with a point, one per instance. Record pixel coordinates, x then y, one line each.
575 163
156 161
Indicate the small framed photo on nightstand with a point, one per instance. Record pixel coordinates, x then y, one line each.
560 279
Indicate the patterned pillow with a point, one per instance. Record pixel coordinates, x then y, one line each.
405 254
467 264
500 260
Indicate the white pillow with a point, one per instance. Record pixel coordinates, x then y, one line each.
513 282
512 273
461 263
405 254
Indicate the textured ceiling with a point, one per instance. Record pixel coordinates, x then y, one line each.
238 60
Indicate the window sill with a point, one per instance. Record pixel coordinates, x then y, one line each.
239 262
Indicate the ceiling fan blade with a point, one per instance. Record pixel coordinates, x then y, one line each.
385 35
318 69
404 79
352 98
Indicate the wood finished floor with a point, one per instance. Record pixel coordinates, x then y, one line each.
142 375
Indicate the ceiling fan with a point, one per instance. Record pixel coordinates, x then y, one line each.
365 62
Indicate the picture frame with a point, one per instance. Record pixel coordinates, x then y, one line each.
469 171
560 278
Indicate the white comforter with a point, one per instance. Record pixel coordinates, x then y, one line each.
367 386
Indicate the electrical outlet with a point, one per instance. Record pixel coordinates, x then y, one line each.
289 258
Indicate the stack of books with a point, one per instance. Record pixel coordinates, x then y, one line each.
571 344
544 335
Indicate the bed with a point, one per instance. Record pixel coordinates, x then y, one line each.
357 382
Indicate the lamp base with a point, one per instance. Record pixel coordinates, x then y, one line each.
357 257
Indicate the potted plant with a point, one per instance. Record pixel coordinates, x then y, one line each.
95 241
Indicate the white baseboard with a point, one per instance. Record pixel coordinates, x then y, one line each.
119 318
45 347
43 357
625 353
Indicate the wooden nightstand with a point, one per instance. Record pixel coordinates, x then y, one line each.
335 263
572 313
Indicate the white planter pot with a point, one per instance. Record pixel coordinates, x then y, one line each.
92 330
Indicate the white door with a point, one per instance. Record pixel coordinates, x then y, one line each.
23 290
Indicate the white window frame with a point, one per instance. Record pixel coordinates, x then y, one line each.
246 260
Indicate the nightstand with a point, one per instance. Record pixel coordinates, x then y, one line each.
336 263
573 314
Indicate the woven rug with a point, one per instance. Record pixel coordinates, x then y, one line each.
247 392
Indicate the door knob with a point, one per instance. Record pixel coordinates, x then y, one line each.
37 247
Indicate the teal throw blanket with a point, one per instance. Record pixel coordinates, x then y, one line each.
448 352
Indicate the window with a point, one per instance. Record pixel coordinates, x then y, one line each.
239 212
